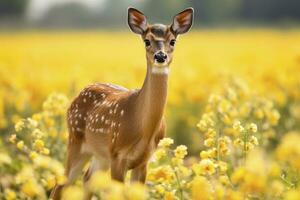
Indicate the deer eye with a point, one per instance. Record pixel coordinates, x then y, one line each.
147 43
172 42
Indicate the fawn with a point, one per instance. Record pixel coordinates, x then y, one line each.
117 127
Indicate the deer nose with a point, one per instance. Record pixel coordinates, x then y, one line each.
160 57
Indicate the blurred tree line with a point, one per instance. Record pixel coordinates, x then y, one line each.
113 12
12 8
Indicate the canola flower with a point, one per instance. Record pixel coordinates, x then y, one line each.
228 168
248 120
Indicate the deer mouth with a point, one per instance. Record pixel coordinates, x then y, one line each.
160 64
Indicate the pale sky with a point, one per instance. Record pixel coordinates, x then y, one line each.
37 8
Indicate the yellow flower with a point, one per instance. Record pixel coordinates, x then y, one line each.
33 155
223 145
277 188
4 158
32 123
56 104
32 189
253 140
169 196
37 133
160 153
234 195
289 149
38 145
165 142
202 125
46 162
210 142
160 174
72 192
25 174
212 153
205 167
231 132
273 117
61 179
252 128
99 180
226 119
219 191
136 191
10 194
223 166
180 151
238 175
204 154
19 125
37 117
249 146
210 133
13 138
238 127
116 192
45 151
245 110
238 142
160 189
214 99
50 182
293 194
20 145
274 170
224 180
224 106
232 96
49 122
201 189
185 171
259 114
177 161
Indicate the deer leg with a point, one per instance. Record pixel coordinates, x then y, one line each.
96 164
118 170
139 174
74 165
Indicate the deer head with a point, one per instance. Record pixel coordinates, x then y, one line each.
159 39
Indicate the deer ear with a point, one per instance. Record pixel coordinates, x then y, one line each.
183 21
137 21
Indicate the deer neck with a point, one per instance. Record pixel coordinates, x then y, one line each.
151 99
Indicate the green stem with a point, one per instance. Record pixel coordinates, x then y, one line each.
176 176
245 146
178 182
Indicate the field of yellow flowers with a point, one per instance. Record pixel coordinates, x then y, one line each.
233 113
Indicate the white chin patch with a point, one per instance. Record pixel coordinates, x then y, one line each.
160 70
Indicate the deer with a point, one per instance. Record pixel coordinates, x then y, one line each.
117 128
